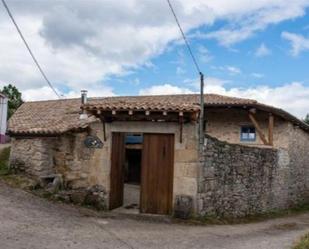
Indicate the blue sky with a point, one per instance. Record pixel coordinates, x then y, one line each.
264 59
248 49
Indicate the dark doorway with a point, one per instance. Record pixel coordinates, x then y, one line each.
133 158
133 170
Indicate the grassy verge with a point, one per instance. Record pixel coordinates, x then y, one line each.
303 243
4 161
210 220
15 181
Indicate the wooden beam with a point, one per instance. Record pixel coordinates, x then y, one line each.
164 113
104 130
147 113
114 112
258 128
98 112
180 128
130 112
271 129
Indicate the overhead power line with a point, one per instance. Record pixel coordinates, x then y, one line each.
28 48
184 38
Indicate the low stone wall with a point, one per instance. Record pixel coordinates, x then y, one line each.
63 166
298 180
33 156
237 181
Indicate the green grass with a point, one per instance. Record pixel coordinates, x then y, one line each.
4 161
303 243
212 220
13 180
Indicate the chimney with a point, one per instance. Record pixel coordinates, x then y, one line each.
84 96
83 115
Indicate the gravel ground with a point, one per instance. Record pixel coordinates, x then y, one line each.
27 221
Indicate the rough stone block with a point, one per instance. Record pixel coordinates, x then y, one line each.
183 207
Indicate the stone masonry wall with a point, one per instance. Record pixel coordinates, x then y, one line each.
237 180
33 156
78 171
80 167
298 165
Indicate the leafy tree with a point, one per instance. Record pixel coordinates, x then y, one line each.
14 98
307 119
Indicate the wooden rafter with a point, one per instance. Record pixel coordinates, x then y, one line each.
112 115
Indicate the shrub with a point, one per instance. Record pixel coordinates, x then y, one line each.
303 243
4 161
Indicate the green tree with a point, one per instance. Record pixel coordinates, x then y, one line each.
307 119
14 98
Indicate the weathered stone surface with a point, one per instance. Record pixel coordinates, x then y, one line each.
78 196
96 197
183 207
33 156
240 180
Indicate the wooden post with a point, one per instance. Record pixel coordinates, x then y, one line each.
180 128
201 121
104 129
270 129
258 128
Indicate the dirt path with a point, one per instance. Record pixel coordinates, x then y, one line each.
28 222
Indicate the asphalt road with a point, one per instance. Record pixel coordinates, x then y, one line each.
27 221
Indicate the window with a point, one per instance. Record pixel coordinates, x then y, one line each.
247 133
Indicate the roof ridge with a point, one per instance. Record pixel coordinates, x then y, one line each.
139 96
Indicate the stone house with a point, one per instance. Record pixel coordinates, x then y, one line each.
143 153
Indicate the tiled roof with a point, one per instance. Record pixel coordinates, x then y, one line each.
47 117
186 103
60 116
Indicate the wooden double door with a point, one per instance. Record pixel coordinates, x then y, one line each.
156 174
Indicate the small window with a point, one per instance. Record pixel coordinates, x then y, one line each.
247 133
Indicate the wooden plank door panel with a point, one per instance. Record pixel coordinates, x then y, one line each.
117 170
157 173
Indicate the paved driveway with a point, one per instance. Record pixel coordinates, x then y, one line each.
28 222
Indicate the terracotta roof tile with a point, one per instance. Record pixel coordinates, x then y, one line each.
188 102
47 117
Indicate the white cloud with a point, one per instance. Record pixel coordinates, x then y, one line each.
44 93
262 51
164 90
233 70
180 71
204 54
248 17
257 75
292 97
298 42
